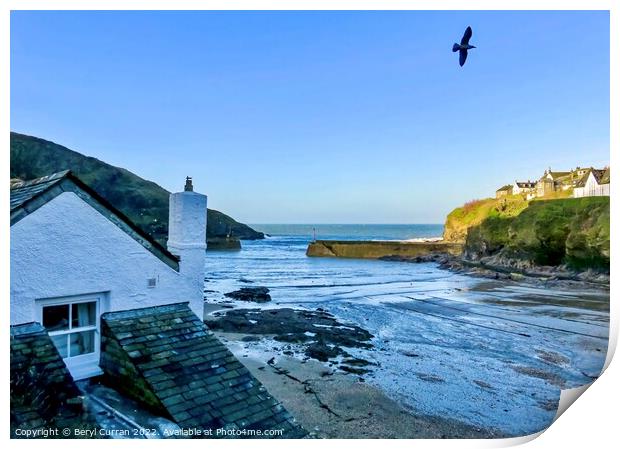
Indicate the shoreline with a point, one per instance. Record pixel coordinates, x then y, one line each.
449 256
286 347
537 275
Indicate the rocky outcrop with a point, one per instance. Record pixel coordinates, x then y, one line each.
572 233
379 250
319 333
250 294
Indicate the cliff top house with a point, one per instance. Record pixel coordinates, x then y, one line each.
553 181
556 175
593 183
503 191
108 300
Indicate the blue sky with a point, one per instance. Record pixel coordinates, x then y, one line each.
319 117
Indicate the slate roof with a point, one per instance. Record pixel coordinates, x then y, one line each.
28 196
559 174
525 184
605 176
601 176
167 355
40 382
506 188
23 191
598 175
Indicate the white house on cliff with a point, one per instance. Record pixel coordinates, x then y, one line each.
75 257
593 183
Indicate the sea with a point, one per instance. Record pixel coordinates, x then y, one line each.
489 353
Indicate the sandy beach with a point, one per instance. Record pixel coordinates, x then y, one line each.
330 404
404 350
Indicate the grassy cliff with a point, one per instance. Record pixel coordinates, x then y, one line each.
144 202
573 232
475 212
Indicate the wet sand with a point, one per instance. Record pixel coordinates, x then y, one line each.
492 353
330 404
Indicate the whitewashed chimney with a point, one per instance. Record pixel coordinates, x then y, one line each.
187 229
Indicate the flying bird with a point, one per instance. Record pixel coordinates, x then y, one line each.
463 46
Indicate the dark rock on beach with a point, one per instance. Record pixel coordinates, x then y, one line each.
320 332
251 294
323 352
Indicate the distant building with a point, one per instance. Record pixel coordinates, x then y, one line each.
544 186
584 181
553 181
593 183
523 187
579 172
503 191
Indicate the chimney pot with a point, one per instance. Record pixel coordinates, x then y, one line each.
188 184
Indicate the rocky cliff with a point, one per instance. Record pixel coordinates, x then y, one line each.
572 233
143 201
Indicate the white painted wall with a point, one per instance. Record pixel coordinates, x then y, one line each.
591 188
67 248
187 235
516 190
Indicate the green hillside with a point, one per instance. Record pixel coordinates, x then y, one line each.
144 202
574 232
475 212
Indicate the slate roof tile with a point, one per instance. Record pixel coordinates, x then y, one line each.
196 379
40 381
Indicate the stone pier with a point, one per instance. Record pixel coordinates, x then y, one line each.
380 249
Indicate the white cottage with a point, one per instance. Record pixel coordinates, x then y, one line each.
594 183
74 257
523 187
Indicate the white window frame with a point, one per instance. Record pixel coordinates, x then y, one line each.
83 365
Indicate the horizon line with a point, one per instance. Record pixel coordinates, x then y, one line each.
348 224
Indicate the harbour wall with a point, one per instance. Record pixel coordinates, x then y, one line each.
380 249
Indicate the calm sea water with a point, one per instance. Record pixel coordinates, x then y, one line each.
353 231
492 354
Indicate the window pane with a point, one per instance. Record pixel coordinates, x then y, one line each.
81 343
56 318
83 314
60 341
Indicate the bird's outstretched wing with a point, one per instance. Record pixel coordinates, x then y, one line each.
466 37
462 57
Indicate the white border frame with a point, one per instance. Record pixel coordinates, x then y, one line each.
591 422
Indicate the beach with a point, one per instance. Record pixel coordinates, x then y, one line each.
331 404
490 355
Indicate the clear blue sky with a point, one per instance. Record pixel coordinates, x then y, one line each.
319 117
